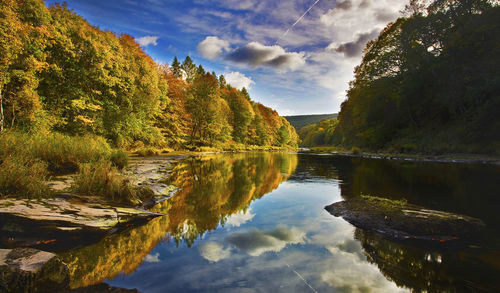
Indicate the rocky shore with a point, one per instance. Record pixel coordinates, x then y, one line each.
69 220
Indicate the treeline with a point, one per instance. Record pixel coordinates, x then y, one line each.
319 134
429 83
299 121
59 73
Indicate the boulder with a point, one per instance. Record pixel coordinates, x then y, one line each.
32 270
400 220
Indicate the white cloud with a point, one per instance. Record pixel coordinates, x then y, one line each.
148 40
213 251
238 80
211 47
240 218
256 55
152 258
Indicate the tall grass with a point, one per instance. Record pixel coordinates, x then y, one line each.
26 160
101 178
62 153
23 178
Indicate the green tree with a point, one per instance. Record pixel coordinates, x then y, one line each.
189 69
176 67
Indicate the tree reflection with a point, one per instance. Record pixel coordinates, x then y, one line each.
424 269
211 189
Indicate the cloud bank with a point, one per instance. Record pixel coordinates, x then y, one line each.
257 55
355 47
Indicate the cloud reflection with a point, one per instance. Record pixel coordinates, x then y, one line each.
240 218
256 242
213 251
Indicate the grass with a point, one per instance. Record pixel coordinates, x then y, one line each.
385 201
24 178
62 153
27 160
102 179
119 158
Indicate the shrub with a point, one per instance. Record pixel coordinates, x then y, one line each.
119 159
102 179
22 177
355 150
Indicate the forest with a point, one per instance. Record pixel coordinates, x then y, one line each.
58 73
429 83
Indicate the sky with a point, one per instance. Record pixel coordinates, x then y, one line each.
296 56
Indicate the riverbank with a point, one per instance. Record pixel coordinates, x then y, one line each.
445 158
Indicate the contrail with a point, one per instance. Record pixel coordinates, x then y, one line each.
295 23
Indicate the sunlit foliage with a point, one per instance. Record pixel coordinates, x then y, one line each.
60 73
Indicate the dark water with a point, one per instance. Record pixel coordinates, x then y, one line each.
256 223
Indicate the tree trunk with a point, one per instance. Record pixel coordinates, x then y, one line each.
1 110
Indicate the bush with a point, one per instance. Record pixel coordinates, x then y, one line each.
102 179
119 159
23 177
355 151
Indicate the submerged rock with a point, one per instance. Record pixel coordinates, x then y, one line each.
399 220
66 217
32 270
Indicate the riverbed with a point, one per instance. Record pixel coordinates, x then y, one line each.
255 222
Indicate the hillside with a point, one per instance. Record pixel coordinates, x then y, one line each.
429 83
299 121
62 74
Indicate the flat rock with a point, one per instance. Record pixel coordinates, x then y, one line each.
38 222
399 220
32 270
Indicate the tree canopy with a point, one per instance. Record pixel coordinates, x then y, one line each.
430 81
60 73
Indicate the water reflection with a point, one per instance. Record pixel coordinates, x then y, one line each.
460 188
212 188
432 269
222 234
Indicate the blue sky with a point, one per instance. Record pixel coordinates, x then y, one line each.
304 71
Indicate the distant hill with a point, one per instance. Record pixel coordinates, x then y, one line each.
300 121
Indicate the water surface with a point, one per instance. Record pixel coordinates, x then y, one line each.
256 222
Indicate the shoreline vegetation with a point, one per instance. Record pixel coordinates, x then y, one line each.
427 84
75 99
417 157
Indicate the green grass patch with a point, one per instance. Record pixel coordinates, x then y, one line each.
385 201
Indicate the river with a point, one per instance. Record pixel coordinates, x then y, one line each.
255 222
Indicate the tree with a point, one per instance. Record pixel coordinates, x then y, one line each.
176 67
222 81
189 69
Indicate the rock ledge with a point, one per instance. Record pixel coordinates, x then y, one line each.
399 220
